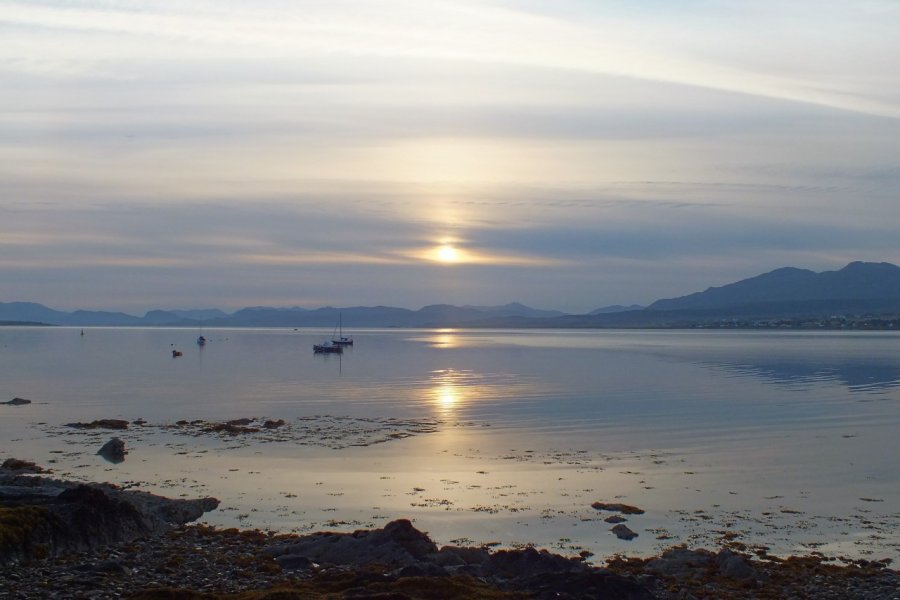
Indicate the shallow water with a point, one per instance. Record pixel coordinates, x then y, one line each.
787 438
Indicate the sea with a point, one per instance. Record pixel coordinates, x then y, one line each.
784 442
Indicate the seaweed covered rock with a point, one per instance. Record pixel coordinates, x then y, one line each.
101 424
21 466
411 553
40 516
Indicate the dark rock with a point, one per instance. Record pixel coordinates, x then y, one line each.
468 555
447 559
229 428
21 466
54 517
734 565
293 562
113 450
681 562
515 564
402 533
111 567
101 424
17 402
623 532
588 584
397 545
270 424
615 519
245 421
411 554
625 509
420 570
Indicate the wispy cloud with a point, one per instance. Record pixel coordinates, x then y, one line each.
734 48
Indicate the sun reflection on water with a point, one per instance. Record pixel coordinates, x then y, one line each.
445 338
448 390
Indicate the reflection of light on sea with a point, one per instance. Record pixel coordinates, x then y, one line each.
447 396
454 392
447 390
445 338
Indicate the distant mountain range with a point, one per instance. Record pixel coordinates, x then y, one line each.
262 316
857 289
615 308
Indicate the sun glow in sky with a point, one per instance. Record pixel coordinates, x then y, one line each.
565 154
448 254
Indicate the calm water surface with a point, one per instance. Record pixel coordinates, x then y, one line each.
788 438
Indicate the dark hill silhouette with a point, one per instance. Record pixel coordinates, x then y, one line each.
878 283
615 308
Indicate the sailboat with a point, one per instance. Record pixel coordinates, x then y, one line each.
340 340
327 348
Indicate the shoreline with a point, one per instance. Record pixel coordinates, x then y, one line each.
200 562
493 500
115 554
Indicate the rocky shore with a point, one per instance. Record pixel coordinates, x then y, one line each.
61 539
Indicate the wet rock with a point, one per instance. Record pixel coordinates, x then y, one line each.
101 424
270 424
402 533
21 466
108 567
587 584
399 544
113 450
623 532
420 570
230 428
734 565
450 556
245 421
625 509
681 562
528 562
51 516
468 555
615 519
293 562
410 553
17 402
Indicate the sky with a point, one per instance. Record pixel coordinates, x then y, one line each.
567 154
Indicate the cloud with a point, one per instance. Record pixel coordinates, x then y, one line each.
575 152
670 47
572 250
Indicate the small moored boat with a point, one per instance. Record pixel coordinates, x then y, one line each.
327 348
340 339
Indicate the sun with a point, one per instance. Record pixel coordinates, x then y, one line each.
447 254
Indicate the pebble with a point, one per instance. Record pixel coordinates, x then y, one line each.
201 558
